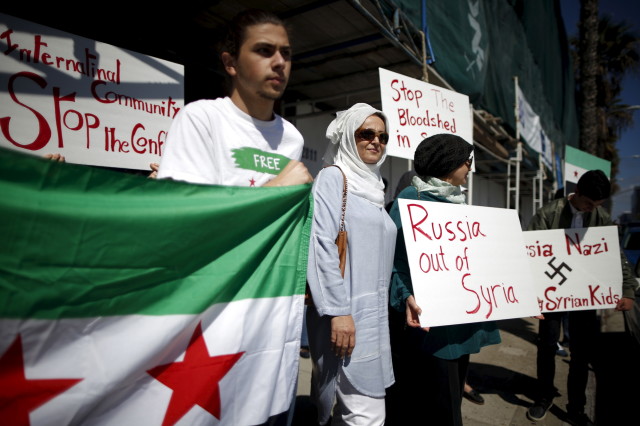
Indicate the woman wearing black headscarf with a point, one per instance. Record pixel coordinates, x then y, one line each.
434 359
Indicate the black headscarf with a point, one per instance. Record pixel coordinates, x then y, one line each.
439 155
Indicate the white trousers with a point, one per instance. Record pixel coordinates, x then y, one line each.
355 409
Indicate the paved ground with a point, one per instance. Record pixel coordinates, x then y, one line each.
505 374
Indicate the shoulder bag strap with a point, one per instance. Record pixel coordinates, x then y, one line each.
344 197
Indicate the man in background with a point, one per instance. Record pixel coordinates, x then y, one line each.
581 209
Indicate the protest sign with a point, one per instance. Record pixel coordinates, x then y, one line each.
416 110
467 263
94 103
575 269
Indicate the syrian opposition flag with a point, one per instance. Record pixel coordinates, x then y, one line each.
133 301
577 162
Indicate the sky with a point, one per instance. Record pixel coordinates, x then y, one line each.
629 144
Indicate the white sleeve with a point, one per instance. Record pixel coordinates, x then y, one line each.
189 148
328 288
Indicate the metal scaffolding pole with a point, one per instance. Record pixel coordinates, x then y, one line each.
518 158
538 186
514 189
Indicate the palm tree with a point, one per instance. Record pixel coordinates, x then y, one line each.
617 55
587 49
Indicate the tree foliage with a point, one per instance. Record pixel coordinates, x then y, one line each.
617 55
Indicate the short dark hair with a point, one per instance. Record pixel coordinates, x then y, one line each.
595 185
237 27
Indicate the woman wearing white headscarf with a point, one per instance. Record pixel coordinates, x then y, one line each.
347 321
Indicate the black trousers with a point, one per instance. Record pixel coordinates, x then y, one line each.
428 390
584 332
585 345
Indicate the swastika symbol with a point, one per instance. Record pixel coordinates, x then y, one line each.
557 270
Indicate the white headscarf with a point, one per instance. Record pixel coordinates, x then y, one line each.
364 179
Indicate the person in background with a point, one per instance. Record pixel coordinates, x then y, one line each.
581 209
433 359
403 182
347 320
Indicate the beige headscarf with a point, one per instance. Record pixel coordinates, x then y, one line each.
364 179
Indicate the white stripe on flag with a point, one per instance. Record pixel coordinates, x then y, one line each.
113 354
572 173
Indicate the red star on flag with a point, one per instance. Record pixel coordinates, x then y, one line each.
252 182
575 173
18 395
195 380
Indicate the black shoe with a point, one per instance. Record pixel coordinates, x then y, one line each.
304 352
539 410
474 397
579 419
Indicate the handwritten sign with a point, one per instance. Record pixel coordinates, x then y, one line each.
467 263
94 103
416 110
576 269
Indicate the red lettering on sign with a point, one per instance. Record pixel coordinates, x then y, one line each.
44 131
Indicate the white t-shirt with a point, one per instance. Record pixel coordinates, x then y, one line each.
214 142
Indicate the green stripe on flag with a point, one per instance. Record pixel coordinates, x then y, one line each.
586 161
79 241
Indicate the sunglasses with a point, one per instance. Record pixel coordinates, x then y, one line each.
370 135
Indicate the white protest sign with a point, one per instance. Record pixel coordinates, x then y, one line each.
467 263
416 110
576 269
94 103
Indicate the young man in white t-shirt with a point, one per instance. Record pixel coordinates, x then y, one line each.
239 140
